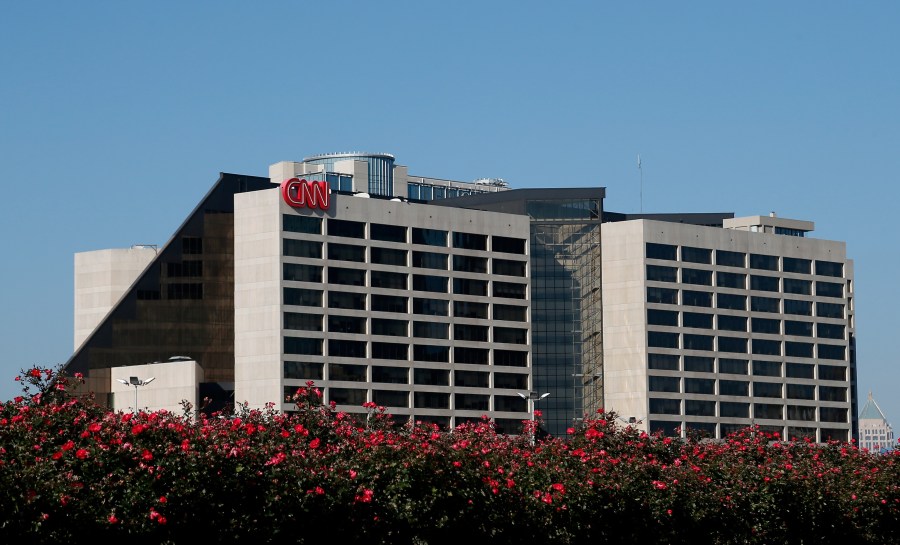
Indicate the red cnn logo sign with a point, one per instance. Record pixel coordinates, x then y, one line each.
299 193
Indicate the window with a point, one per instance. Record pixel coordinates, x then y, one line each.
430 237
696 255
799 287
664 384
731 301
388 280
731 323
466 309
662 340
798 350
302 224
795 265
698 342
462 332
471 402
190 268
470 379
191 245
431 330
346 372
830 310
663 362
699 386
388 256
734 410
662 251
508 290
437 284
303 370
764 262
695 407
387 233
799 329
390 375
510 335
465 263
511 381
832 352
302 248
665 406
302 297
829 268
734 387
764 304
696 298
423 352
656 317
697 364
799 370
389 351
662 295
829 289
346 299
800 412
765 325
763 283
392 328
732 366
830 331
343 324
183 291
348 277
797 308
508 245
731 259
832 414
429 260
303 345
509 313
731 280
767 368
390 398
389 303
469 241
696 276
347 396
766 347
342 348
512 404
431 377
767 411
659 273
431 400
431 307
346 228
510 358
467 286
346 252
301 273
801 391
732 344
832 372
832 393
508 267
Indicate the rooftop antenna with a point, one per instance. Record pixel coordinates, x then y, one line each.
641 170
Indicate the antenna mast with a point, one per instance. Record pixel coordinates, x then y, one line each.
641 170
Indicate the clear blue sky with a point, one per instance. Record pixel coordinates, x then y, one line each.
117 117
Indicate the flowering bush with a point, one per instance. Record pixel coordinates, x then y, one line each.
70 469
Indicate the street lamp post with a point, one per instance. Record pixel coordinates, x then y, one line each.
135 381
531 398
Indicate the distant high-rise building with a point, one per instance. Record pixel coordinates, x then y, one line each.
875 433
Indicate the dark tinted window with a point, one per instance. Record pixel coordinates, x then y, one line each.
794 265
388 256
696 298
765 325
389 280
697 320
731 280
346 324
766 347
665 362
799 370
731 259
510 313
469 309
388 233
733 367
438 284
659 273
764 304
731 301
431 237
800 287
302 273
429 260
302 297
432 307
508 267
390 351
302 248
732 344
509 290
829 289
346 252
393 328
798 308
509 245
732 323
470 241
662 295
696 255
798 350
344 299
302 224
697 342
346 228
765 262
830 310
829 268
801 329
662 317
662 251
696 276
389 303
763 283
466 263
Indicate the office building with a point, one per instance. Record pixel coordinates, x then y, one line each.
445 300
875 433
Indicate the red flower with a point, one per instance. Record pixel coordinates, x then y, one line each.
69 445
147 455
81 454
365 497
314 443
94 427
112 519
36 373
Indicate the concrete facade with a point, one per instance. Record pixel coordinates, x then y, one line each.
780 354
174 382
